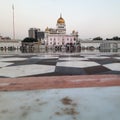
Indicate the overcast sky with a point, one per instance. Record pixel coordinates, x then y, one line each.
91 18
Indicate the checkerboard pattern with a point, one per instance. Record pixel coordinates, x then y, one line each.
55 65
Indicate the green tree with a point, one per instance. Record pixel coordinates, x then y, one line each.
27 39
97 38
116 38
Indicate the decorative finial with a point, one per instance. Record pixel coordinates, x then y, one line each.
13 6
60 15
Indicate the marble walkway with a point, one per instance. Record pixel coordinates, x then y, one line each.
60 87
61 104
14 66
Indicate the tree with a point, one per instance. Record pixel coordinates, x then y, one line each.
98 38
116 38
29 40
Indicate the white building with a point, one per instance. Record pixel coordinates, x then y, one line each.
90 43
110 44
6 44
58 37
100 44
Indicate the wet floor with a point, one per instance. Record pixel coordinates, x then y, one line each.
27 65
99 103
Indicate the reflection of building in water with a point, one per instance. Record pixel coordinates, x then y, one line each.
58 36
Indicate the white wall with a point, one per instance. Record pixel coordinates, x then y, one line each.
59 40
10 43
89 44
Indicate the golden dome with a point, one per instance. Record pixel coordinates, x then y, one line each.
61 20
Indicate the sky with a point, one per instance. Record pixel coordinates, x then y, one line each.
91 18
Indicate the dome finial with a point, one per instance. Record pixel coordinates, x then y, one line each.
60 15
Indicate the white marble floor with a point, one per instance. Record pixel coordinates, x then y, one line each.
77 64
3 64
72 59
37 65
12 59
26 70
99 103
113 66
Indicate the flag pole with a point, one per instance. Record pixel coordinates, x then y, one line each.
13 22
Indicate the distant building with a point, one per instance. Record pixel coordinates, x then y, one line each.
54 37
5 38
36 34
41 36
105 45
9 44
33 32
88 44
6 43
99 44
58 37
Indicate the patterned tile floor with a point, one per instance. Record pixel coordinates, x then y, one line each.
52 65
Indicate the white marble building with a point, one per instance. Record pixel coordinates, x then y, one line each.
58 36
110 44
88 44
5 44
102 44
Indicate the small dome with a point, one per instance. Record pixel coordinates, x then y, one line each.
61 20
73 31
47 29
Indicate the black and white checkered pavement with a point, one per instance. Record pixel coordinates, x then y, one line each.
50 65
